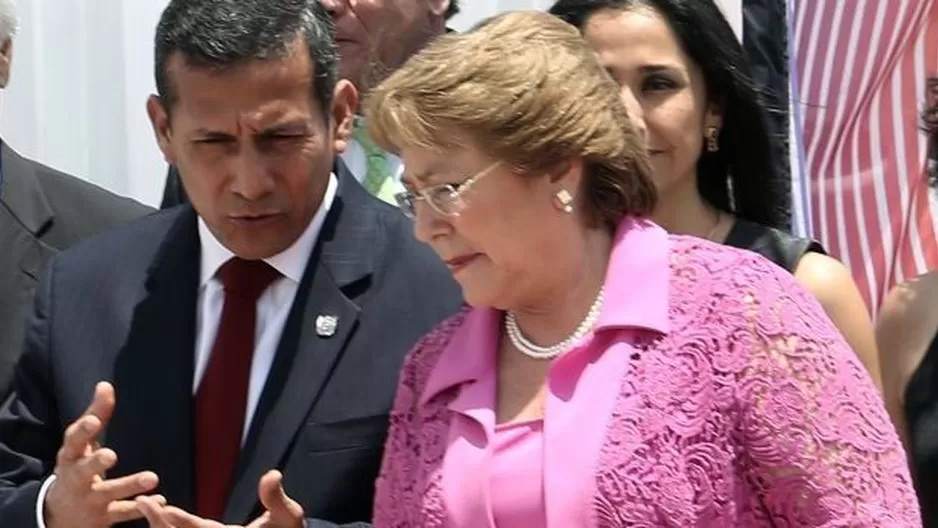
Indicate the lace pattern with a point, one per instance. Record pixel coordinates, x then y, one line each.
752 411
408 490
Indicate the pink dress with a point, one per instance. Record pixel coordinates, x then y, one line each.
713 393
517 484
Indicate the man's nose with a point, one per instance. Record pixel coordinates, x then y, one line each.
335 8
252 180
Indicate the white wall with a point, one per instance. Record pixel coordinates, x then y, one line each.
82 72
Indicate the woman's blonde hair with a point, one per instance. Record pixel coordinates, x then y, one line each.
524 88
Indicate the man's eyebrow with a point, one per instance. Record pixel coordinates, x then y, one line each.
287 127
211 134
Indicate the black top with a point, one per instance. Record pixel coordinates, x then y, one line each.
778 246
921 412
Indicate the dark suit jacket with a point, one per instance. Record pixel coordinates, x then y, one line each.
42 211
122 307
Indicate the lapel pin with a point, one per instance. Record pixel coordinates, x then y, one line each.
326 325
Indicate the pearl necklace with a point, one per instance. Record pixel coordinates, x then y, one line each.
534 351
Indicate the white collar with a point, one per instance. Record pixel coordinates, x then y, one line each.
291 262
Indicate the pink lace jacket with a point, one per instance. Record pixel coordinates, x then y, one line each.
713 393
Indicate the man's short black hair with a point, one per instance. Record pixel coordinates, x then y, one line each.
219 34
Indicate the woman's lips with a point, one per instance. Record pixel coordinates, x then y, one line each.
456 264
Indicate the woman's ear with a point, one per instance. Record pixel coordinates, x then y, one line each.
567 174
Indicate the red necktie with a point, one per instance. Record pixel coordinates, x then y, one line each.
222 394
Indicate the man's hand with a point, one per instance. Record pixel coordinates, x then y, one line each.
80 497
282 511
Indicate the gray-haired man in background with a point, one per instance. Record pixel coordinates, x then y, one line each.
42 211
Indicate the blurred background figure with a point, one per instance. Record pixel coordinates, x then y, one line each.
44 211
907 333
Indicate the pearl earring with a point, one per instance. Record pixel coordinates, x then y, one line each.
713 143
564 201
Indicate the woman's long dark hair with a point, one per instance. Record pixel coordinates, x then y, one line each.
746 164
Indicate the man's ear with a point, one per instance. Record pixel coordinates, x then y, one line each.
6 61
438 7
159 119
344 105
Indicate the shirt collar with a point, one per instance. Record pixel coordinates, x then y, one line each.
636 296
637 277
291 262
469 354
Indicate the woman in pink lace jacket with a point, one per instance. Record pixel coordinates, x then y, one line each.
607 374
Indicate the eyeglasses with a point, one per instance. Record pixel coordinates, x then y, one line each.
446 199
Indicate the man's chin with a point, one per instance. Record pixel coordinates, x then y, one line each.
257 242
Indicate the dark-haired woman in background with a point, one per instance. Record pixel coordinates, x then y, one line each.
685 81
907 335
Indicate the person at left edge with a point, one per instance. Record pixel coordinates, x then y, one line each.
42 211
218 375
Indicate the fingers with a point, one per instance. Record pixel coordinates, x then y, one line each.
154 512
261 522
102 404
130 510
84 431
183 519
94 465
125 487
80 492
283 510
78 436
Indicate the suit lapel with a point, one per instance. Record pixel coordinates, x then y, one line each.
306 356
152 424
22 258
24 215
21 193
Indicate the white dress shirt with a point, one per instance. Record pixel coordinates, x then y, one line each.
273 308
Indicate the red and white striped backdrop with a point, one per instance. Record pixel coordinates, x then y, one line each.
859 70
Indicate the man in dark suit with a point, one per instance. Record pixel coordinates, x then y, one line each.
262 327
42 211
374 39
